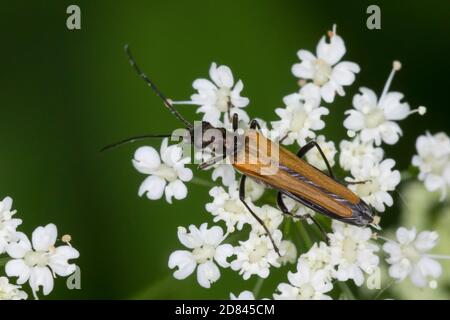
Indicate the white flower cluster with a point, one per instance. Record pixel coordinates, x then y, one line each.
301 117
254 256
219 98
408 256
37 261
351 253
326 71
433 161
166 173
371 122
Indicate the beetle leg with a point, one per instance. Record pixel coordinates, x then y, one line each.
235 121
319 226
210 162
242 198
285 210
303 150
355 182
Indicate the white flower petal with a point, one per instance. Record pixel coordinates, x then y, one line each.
354 120
223 252
303 70
44 238
430 267
393 108
204 85
17 268
311 94
226 172
192 239
399 271
184 261
236 99
390 132
146 159
58 261
367 99
306 55
185 174
344 73
331 52
405 236
433 182
212 236
19 247
418 278
176 189
41 277
212 116
6 204
207 273
426 240
328 92
152 187
222 76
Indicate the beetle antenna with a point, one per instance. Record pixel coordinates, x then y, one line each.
150 83
133 139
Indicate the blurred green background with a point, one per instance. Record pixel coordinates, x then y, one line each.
65 94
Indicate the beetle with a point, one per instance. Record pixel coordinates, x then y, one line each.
294 177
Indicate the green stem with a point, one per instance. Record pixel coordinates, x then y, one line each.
383 290
258 286
202 182
287 226
346 290
304 234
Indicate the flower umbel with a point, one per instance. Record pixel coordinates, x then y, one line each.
325 69
374 183
352 252
10 291
305 284
219 96
8 225
433 161
353 154
39 261
206 251
301 117
275 237
256 255
376 118
408 256
227 207
166 173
